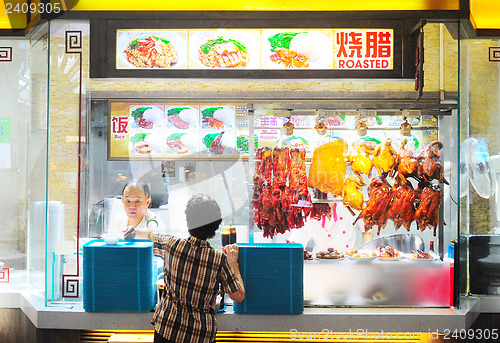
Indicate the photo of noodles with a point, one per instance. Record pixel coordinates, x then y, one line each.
150 52
223 53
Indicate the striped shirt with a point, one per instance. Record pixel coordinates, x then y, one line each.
193 271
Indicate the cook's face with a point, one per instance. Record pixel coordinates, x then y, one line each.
135 203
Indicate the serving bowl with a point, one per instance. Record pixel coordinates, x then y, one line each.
110 239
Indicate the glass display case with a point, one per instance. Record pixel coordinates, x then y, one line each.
86 169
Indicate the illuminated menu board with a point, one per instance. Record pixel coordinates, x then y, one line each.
256 49
180 130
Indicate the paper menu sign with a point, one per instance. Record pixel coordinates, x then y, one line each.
5 145
4 130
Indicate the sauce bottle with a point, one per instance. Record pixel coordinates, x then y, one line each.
431 247
232 235
225 236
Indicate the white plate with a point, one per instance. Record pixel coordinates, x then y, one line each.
390 258
328 259
362 259
411 258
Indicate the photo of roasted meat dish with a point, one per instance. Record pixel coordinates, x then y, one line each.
299 49
150 52
223 53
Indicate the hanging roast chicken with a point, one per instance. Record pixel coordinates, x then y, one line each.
360 160
351 194
385 158
376 210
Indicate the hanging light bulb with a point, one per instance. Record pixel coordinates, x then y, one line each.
288 128
361 129
405 128
320 128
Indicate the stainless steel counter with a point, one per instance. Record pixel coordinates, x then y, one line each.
312 320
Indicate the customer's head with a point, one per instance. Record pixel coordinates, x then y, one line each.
136 199
203 216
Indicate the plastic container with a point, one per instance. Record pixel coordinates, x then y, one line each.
118 278
273 275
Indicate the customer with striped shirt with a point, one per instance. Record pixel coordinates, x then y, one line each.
193 271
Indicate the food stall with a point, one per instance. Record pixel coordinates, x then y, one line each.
300 125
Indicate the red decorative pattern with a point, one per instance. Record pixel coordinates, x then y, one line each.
4 275
5 54
71 286
71 283
494 54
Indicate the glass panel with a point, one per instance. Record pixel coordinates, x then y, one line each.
68 71
23 66
37 161
15 90
480 167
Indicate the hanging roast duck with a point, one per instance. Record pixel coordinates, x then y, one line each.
375 212
432 169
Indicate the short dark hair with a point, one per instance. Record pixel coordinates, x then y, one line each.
203 216
139 185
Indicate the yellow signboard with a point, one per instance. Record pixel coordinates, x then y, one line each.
266 5
13 13
484 14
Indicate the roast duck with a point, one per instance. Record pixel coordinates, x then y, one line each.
281 199
376 210
432 169
402 208
403 204
280 181
427 213
408 164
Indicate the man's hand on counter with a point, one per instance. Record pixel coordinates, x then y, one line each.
232 253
